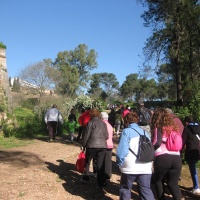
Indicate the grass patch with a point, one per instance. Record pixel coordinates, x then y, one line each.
19 111
11 142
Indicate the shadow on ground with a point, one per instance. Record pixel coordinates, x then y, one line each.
19 158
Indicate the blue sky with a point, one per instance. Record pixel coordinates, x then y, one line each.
33 30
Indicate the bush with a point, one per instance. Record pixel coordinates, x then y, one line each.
24 124
27 127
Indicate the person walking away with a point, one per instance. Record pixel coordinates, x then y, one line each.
71 129
111 117
131 170
108 156
125 111
144 117
72 116
118 121
84 119
51 118
80 129
94 141
191 142
167 163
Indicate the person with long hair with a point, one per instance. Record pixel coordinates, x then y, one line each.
167 163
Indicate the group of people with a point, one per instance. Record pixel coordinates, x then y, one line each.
97 133
167 165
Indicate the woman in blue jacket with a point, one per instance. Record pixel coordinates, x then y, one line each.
131 170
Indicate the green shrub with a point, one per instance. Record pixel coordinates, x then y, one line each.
25 125
2 45
29 103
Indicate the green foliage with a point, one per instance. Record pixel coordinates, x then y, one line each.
16 85
23 112
2 45
181 112
75 66
85 101
26 124
29 103
3 107
195 106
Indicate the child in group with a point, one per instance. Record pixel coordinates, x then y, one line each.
71 129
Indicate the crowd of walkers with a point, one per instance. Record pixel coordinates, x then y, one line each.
96 133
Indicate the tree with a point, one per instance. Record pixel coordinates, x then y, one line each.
68 82
39 76
16 85
130 89
175 38
104 85
82 59
95 89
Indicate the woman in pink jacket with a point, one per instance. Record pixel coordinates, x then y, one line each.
167 163
108 156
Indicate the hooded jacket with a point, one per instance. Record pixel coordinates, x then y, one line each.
191 141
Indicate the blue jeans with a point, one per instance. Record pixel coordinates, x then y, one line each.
143 183
193 172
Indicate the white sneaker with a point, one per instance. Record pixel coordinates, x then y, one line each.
196 191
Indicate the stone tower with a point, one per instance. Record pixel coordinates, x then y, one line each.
5 93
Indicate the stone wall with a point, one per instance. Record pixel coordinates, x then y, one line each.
5 93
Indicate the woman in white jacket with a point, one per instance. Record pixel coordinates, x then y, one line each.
133 171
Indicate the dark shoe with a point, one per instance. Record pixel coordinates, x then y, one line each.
93 174
85 179
107 182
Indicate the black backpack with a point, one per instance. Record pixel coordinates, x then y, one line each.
146 151
144 116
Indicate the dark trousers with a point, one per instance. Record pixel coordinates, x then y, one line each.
100 155
80 130
143 183
108 163
168 166
52 128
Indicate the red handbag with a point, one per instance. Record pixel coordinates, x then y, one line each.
80 163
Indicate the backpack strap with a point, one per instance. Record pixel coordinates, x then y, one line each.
133 152
130 148
138 132
192 131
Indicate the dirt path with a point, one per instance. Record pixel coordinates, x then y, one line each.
45 170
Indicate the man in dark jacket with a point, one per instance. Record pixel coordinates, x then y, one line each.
191 141
94 140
